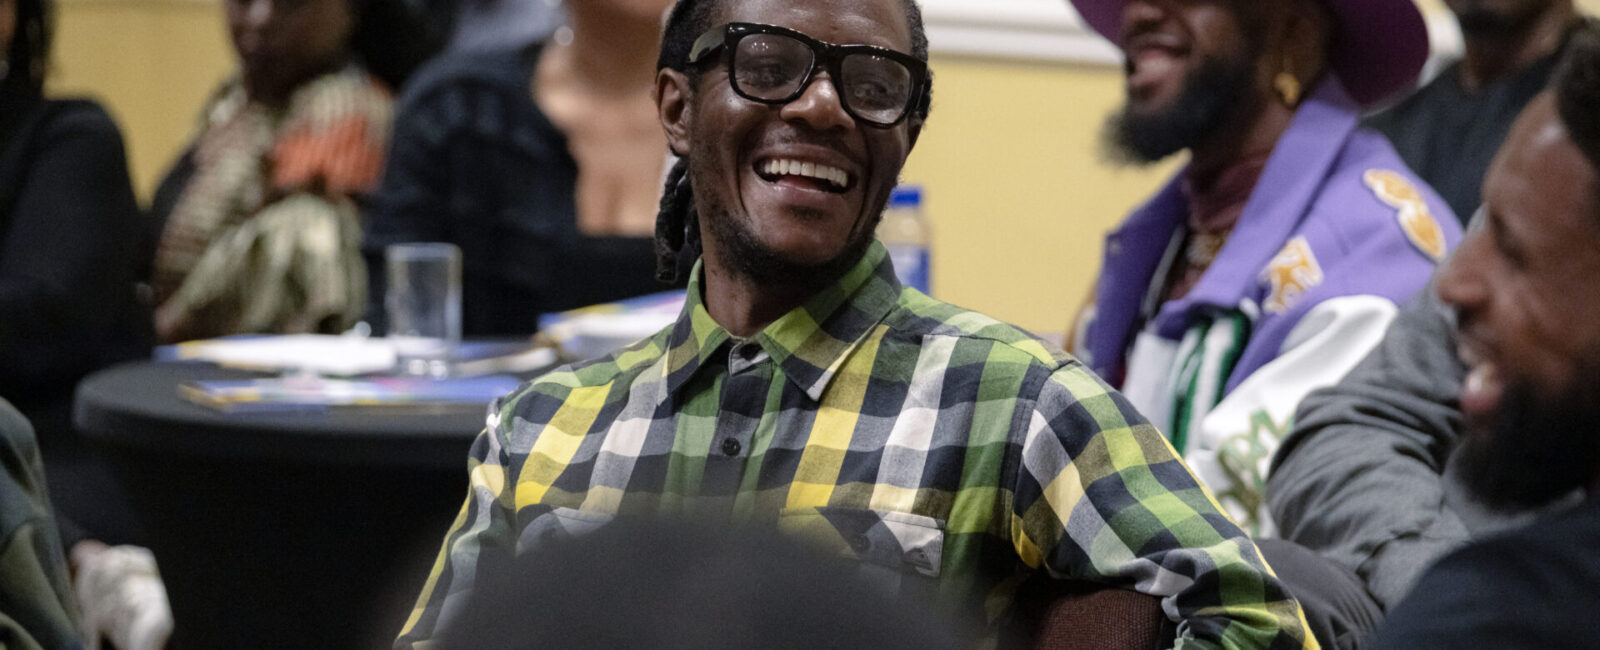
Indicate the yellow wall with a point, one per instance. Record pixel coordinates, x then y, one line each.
152 62
1015 189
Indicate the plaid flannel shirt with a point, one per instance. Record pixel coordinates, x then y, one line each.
929 441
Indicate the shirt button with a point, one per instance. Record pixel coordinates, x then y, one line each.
860 543
730 447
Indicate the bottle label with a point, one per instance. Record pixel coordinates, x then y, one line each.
910 265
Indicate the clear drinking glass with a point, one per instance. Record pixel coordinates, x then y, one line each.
423 302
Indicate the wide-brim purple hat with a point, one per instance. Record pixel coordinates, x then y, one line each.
1379 46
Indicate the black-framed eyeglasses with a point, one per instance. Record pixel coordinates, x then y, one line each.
774 65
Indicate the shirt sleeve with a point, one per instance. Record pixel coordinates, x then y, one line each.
1102 496
1361 476
484 534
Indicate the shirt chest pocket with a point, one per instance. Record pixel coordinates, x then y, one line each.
560 525
898 541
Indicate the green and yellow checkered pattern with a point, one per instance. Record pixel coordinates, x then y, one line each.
931 442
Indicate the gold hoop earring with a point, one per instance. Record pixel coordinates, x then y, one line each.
1288 87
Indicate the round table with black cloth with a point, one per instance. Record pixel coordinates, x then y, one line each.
303 529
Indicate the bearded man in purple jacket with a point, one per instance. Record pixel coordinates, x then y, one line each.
1274 260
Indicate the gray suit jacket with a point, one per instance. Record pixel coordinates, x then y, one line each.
36 605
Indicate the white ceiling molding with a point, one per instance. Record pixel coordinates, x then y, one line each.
1040 30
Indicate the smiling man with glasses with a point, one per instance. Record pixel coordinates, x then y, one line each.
803 388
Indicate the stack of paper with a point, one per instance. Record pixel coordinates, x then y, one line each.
346 356
321 354
312 392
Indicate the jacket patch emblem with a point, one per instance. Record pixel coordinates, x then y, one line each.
1292 272
1415 219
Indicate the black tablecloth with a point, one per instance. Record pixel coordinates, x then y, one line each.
137 405
280 530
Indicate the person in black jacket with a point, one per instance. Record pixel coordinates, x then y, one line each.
1451 127
72 251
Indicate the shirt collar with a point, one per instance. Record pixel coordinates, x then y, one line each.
810 343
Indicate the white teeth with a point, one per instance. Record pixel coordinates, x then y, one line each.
787 167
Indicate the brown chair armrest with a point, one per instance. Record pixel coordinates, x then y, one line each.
1075 614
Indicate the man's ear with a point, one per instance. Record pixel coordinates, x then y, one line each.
915 131
672 105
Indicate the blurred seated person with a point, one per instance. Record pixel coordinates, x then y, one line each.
71 256
544 164
110 592
1452 126
36 605
258 220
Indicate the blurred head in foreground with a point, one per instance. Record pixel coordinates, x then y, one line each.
668 586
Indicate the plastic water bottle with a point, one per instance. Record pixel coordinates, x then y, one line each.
905 232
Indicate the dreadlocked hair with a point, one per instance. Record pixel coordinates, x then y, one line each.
677 222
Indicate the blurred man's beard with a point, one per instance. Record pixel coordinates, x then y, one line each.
1217 87
1538 448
